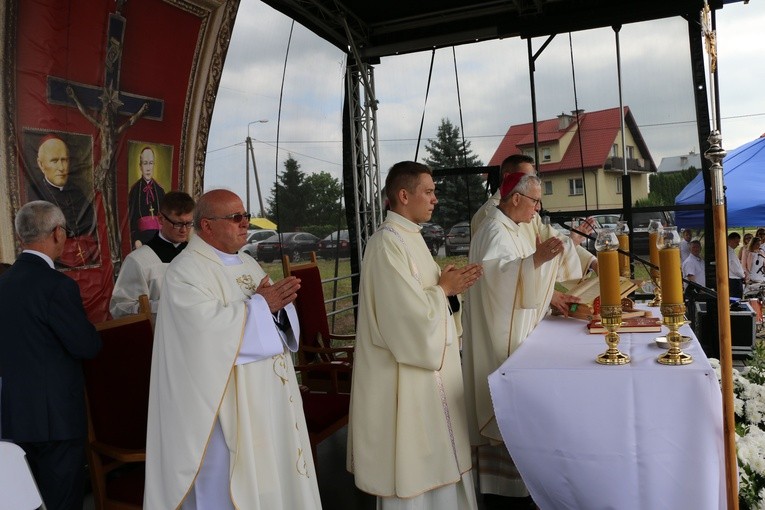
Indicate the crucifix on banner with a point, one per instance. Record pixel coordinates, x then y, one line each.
107 102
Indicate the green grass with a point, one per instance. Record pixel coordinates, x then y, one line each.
343 322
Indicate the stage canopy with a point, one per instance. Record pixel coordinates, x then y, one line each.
744 179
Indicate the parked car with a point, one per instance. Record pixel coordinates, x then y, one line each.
256 236
607 220
458 239
330 247
295 244
433 235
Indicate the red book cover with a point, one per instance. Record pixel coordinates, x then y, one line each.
629 325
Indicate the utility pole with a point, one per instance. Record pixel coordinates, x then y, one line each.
250 154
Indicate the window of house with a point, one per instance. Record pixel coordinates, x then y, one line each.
547 187
528 152
545 154
575 186
630 152
615 151
618 184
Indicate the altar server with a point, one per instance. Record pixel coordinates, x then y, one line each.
407 436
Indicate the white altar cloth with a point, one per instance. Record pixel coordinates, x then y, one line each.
588 436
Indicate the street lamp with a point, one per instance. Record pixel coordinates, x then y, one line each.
250 154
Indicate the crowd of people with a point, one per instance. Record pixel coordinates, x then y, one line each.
746 261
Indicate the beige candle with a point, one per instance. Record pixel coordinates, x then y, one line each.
671 277
624 260
653 250
608 271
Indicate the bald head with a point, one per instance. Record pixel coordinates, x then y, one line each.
214 221
53 160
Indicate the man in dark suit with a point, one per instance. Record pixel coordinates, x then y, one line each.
45 335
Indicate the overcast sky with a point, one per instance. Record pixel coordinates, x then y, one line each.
494 91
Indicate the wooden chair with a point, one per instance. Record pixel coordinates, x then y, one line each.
315 337
326 412
117 391
325 371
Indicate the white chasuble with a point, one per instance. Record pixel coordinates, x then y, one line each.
407 433
501 309
202 380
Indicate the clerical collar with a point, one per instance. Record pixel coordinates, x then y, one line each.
159 233
42 256
60 188
404 222
228 259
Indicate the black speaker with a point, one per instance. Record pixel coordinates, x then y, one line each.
742 329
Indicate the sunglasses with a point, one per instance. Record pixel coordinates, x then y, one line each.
236 217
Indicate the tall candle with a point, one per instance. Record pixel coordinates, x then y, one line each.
608 272
624 260
671 277
653 250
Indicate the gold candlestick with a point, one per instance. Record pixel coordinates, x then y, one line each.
606 245
611 318
673 316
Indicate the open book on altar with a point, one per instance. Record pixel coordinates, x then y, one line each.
588 290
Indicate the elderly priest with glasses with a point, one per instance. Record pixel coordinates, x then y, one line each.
144 269
226 426
501 310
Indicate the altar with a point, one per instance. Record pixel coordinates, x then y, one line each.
588 436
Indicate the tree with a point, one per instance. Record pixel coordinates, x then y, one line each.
322 194
666 186
291 201
304 199
455 193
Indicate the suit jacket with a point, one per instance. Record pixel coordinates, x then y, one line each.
45 335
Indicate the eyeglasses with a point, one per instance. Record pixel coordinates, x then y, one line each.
537 201
236 217
178 225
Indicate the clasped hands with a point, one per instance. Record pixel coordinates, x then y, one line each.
279 294
457 280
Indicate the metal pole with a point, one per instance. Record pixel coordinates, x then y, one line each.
715 155
257 181
247 149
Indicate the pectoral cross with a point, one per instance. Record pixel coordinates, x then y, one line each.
151 209
108 102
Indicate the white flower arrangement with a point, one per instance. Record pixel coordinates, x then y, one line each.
749 408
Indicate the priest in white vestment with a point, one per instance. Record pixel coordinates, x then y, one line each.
226 426
500 311
407 435
575 261
143 270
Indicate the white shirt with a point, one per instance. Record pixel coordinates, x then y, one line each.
694 266
735 269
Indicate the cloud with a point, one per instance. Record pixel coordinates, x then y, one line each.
493 84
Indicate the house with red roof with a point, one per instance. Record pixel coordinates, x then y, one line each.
581 156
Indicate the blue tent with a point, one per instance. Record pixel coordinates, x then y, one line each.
744 180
